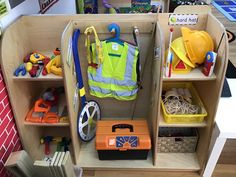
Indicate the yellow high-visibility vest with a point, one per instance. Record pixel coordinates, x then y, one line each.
116 76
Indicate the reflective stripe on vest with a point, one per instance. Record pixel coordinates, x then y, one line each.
119 82
120 95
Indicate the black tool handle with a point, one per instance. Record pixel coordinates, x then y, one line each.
122 126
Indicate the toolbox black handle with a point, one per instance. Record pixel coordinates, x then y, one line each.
122 126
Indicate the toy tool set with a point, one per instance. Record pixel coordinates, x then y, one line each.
184 54
122 139
101 55
114 139
49 108
37 64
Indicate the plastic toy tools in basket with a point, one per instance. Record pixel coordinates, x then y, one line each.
181 104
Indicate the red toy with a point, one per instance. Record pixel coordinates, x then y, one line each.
209 63
45 62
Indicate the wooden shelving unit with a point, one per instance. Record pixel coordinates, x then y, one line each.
206 88
24 90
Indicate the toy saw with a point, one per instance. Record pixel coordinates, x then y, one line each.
90 113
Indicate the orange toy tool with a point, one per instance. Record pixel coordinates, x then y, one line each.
34 117
41 106
50 117
40 109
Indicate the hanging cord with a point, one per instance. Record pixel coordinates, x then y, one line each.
144 66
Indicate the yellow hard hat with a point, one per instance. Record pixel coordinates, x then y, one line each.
178 66
178 47
197 44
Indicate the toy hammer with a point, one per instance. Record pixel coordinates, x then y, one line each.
46 140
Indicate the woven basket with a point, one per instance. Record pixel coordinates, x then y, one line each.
177 140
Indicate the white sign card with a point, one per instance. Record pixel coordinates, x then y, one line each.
183 19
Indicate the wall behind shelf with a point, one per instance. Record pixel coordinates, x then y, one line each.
29 7
25 8
9 138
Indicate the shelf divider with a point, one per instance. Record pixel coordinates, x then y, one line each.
162 123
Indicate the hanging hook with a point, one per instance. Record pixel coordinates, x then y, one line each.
114 29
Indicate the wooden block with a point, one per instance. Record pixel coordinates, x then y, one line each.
55 165
67 166
42 168
51 164
59 165
20 164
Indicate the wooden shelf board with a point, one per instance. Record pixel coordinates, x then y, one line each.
49 77
177 161
162 123
47 124
88 158
195 74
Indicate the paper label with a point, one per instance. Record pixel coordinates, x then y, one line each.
183 19
75 99
111 142
115 46
69 56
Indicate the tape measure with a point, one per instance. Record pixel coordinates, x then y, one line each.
90 113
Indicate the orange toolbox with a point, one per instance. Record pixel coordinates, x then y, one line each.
122 139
